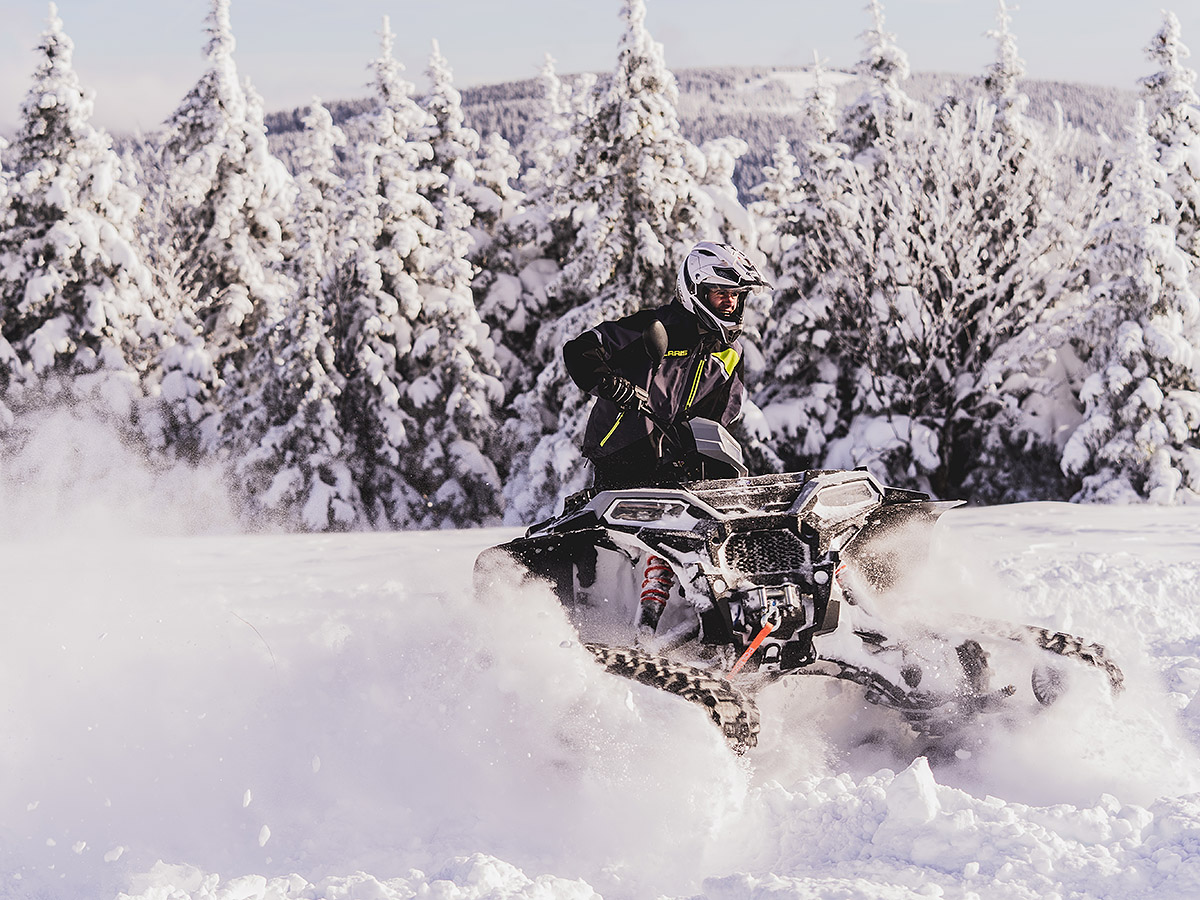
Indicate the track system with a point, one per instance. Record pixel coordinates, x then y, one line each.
931 715
733 712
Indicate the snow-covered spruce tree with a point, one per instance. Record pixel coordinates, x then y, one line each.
790 176
420 390
288 458
873 280
454 147
478 172
987 219
883 107
1173 111
771 214
930 282
1001 80
75 293
951 230
638 208
729 217
387 234
9 364
473 203
817 335
453 391
531 241
552 134
1140 436
776 193
230 200
4 178
182 418
1017 420
453 397
495 201
492 196
788 186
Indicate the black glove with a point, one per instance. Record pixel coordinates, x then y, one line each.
681 438
620 391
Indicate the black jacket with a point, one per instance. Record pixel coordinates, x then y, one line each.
700 377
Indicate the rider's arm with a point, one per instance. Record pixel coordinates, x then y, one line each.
586 360
595 354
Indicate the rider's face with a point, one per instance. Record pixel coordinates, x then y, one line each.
723 300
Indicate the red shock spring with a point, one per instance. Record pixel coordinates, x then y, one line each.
657 582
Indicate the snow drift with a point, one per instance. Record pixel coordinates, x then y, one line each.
221 715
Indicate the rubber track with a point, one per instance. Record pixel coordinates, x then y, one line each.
732 711
1062 644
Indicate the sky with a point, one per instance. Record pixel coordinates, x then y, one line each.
141 56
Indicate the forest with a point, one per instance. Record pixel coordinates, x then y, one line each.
982 287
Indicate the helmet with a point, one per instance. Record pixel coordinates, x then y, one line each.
710 264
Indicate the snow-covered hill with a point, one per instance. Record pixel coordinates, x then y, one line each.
232 716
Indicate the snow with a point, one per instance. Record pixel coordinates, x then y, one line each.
196 713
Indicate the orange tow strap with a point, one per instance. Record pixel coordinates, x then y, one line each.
737 666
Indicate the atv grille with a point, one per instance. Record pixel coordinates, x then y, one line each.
767 552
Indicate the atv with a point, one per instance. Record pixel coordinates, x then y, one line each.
711 583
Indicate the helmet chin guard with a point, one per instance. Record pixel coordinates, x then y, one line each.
709 265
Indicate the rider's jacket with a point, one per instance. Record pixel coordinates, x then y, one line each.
700 376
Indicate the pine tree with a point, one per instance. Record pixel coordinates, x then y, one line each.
321 187
492 196
826 237
388 240
979 218
883 107
776 193
637 206
1173 110
552 134
1141 428
914 270
289 458
452 397
230 200
634 176
1012 442
527 249
182 418
828 344
420 388
9 363
452 390
783 209
75 294
454 147
1001 81
4 176
729 217
495 202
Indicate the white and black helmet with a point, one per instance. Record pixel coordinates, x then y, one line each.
710 264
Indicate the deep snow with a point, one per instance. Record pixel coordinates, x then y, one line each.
231 716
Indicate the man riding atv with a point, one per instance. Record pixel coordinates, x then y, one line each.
697 375
710 583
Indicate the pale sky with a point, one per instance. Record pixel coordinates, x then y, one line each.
141 56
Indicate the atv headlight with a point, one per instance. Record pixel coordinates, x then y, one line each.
838 502
647 510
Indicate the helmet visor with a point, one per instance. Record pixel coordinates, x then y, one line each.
719 276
